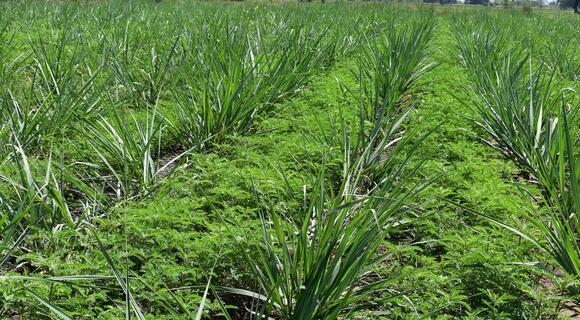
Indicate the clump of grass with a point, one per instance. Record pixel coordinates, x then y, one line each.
242 79
525 117
557 223
514 102
130 161
395 58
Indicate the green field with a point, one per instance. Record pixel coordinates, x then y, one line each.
347 160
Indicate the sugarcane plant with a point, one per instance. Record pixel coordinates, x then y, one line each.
556 223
